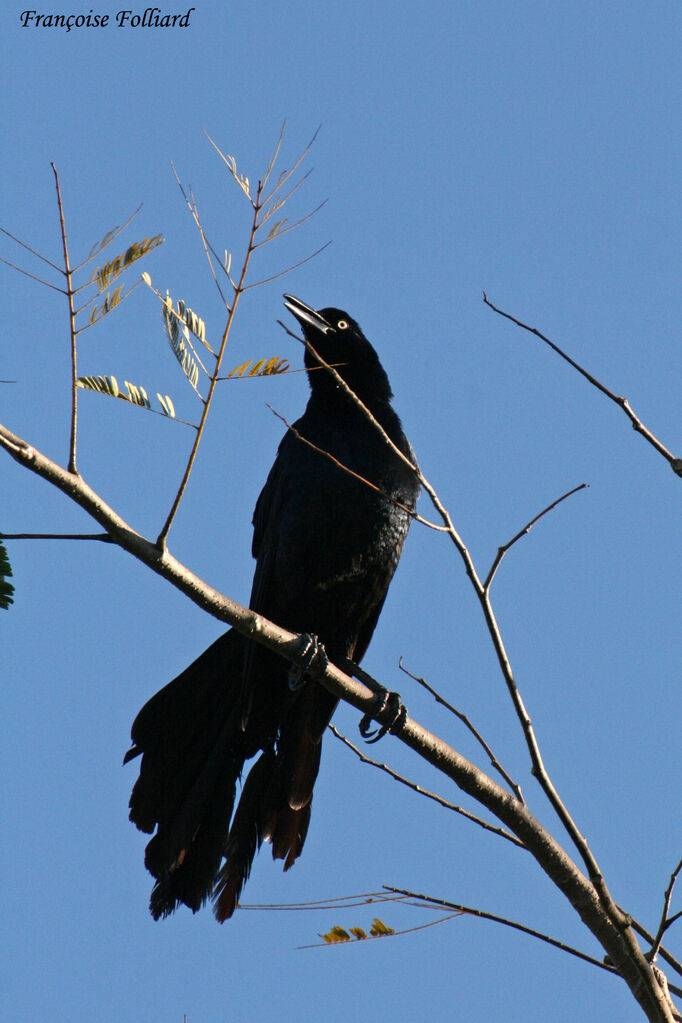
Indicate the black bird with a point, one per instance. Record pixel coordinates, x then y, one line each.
326 546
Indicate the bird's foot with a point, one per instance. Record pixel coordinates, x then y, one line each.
310 649
386 704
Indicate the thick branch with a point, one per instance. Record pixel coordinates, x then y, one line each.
617 941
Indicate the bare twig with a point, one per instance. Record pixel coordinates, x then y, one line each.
290 227
33 252
662 951
351 472
273 159
283 273
424 792
208 248
110 237
32 276
72 328
267 213
637 424
469 911
501 551
285 175
315 905
494 762
666 921
103 537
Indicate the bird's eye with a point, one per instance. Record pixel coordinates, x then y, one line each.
342 324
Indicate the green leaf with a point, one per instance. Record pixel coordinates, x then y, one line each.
178 331
276 228
134 394
105 276
260 368
98 246
336 936
110 302
166 405
6 588
379 929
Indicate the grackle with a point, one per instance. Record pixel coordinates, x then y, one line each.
326 546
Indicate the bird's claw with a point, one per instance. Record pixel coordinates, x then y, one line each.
310 649
385 702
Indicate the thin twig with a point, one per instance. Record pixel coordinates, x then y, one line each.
112 235
102 537
86 326
494 762
208 248
239 289
32 276
33 252
315 905
662 951
666 921
357 939
501 551
355 475
72 329
469 911
284 177
425 792
637 424
273 159
267 213
283 273
291 227
242 181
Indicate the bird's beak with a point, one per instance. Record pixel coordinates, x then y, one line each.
304 314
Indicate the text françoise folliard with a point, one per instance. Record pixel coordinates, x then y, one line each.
152 17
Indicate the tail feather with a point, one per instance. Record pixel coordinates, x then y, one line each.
191 746
245 837
194 747
289 830
300 745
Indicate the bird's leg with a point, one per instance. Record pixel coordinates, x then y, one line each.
310 649
388 704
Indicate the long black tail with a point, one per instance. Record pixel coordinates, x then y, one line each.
193 751
194 747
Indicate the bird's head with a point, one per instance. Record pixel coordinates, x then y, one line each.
338 339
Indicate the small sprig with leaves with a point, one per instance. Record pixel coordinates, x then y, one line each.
89 293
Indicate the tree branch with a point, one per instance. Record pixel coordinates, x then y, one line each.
501 551
422 791
469 911
666 921
72 328
613 932
494 762
637 424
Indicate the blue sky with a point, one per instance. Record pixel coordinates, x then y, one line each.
531 150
